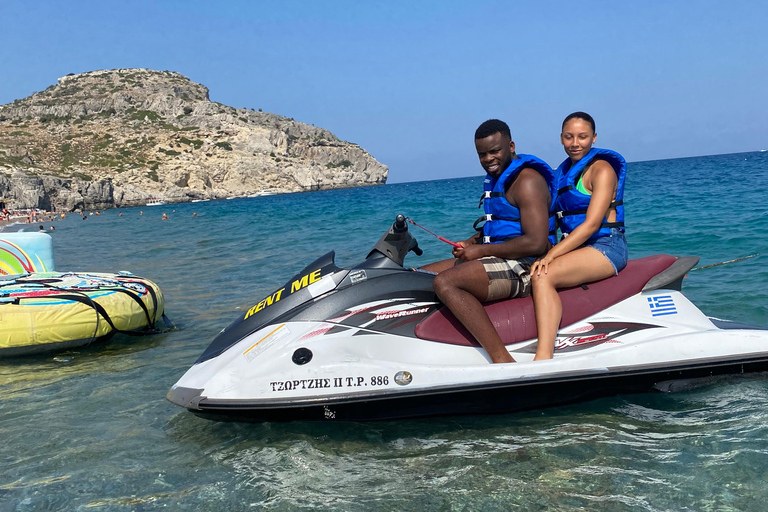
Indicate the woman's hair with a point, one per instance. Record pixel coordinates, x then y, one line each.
581 115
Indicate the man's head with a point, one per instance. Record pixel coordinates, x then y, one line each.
494 145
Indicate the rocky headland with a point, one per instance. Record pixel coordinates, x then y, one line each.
121 137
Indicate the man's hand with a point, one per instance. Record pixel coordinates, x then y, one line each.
469 252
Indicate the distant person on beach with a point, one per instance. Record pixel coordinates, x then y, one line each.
494 264
165 217
41 229
590 213
53 228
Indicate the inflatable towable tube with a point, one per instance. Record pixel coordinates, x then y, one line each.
42 310
48 311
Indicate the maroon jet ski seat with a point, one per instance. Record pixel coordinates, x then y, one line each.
515 321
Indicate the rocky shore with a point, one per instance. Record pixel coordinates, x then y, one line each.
117 138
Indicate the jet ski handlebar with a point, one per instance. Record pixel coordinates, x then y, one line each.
394 245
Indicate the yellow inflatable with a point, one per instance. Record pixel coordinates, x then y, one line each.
54 310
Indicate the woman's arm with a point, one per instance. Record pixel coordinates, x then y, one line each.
602 180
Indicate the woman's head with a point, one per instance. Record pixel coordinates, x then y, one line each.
577 135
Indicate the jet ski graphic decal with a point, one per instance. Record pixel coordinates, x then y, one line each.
387 315
590 335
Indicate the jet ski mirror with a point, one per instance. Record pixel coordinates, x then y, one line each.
393 246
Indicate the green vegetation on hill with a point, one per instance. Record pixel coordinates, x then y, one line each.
157 130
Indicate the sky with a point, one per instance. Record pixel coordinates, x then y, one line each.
411 81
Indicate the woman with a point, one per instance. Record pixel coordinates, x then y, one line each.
590 214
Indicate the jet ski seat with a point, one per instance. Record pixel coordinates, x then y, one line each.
515 320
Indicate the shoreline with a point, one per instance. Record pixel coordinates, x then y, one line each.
5 224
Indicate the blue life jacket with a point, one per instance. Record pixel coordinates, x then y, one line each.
502 220
571 205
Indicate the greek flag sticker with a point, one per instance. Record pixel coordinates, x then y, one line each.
662 305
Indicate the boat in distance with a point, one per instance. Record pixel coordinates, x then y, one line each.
373 342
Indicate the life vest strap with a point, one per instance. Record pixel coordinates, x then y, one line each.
565 213
490 217
486 195
608 224
494 239
559 216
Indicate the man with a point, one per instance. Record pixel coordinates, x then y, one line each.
494 264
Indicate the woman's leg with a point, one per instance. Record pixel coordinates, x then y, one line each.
583 265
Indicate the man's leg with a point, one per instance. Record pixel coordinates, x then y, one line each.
439 266
461 288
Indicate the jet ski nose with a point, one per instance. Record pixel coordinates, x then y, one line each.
188 398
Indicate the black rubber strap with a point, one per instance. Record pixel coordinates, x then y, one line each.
101 311
83 298
137 299
151 320
154 303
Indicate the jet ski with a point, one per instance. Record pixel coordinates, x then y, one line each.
373 342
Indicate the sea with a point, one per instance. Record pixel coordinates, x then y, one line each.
89 429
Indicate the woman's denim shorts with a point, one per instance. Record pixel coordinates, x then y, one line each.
613 247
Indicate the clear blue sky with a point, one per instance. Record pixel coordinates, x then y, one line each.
410 81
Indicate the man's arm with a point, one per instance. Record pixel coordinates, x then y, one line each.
530 194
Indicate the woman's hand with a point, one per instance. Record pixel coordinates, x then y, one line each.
542 264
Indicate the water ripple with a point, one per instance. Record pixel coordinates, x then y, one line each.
89 429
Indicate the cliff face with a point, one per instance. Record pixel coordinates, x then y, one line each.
117 138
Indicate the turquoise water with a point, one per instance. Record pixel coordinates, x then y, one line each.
89 429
